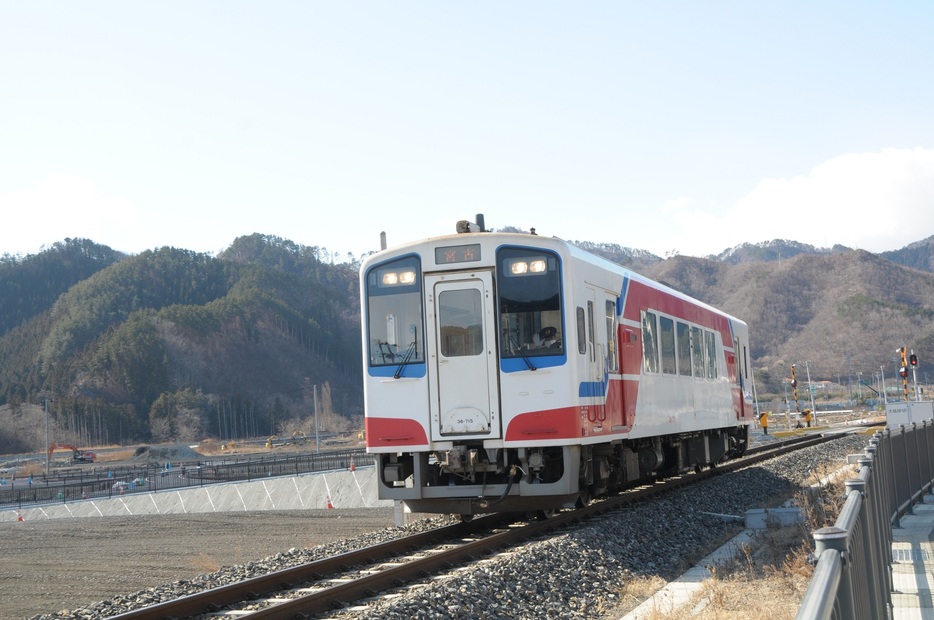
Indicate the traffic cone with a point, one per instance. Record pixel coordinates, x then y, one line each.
19 517
352 466
330 505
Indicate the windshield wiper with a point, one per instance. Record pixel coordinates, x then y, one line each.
524 357
405 360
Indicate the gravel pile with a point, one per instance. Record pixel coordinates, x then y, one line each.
574 574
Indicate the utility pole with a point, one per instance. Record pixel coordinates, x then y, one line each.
885 399
811 390
48 456
317 441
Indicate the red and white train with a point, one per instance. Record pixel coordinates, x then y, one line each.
515 372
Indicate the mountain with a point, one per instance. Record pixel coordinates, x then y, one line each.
172 344
918 255
775 250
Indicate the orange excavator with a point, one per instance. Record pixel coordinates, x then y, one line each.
77 455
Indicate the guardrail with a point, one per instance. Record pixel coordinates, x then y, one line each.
102 482
853 575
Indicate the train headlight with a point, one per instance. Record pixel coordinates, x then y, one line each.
527 266
392 278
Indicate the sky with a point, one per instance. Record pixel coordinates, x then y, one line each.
674 127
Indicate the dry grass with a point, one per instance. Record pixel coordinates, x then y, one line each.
33 468
765 580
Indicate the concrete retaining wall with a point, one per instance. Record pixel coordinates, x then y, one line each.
344 489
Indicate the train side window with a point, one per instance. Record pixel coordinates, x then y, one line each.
612 356
649 342
590 334
711 354
581 332
684 349
667 333
697 352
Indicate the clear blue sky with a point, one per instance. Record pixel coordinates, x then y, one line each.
668 126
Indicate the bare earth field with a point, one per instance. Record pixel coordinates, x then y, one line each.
53 565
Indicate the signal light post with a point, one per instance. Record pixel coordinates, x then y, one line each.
913 362
794 385
903 370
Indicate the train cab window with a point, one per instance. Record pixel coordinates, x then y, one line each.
667 333
611 352
684 350
698 355
530 304
394 313
711 354
649 342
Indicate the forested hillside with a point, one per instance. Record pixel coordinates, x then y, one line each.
31 284
171 344
175 345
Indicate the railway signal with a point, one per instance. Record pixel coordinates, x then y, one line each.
794 384
903 370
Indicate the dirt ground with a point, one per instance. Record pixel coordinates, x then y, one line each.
53 565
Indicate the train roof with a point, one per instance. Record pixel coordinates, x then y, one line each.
558 244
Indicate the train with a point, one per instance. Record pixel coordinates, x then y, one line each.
514 372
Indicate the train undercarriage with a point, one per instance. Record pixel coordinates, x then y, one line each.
470 479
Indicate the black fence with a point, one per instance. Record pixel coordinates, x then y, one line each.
97 482
853 576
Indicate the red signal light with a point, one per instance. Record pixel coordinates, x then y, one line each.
914 359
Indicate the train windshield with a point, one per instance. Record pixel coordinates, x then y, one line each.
394 313
529 289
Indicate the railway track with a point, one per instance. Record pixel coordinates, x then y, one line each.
326 585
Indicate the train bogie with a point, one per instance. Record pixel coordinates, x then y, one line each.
511 372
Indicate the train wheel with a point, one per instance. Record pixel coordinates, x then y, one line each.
544 515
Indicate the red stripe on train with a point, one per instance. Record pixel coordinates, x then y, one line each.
383 432
561 423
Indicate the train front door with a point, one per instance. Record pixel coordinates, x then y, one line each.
462 382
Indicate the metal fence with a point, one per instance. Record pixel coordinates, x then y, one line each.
853 575
102 482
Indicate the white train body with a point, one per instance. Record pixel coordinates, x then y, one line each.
470 408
